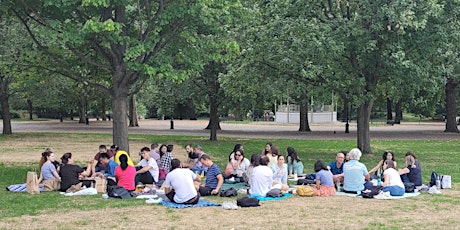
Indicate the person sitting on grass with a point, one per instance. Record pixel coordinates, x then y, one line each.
97 165
336 167
280 173
49 176
392 182
214 178
295 165
179 184
324 181
71 173
118 153
237 166
255 161
147 169
109 172
377 171
262 179
125 174
273 156
355 173
413 171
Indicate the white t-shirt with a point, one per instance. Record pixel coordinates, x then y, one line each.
153 170
242 167
261 180
395 178
181 180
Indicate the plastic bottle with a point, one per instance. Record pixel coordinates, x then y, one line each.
338 186
379 181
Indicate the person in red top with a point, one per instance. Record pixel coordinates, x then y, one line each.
97 165
125 174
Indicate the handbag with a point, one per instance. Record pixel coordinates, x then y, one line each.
247 202
228 192
32 183
446 181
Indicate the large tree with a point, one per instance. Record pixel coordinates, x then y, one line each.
124 40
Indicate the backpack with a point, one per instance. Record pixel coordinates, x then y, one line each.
305 181
371 192
247 202
275 192
228 192
409 187
118 192
305 190
434 176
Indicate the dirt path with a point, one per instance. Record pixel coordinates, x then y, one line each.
407 131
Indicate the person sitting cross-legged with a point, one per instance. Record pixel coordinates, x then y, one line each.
214 178
179 184
148 168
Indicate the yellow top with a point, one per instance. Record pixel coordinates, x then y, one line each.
121 152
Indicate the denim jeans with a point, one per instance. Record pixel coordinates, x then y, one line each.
394 190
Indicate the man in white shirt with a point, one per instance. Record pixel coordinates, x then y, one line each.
179 184
148 168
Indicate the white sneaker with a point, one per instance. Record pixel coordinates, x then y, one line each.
383 195
434 190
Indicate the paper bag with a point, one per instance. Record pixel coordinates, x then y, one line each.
32 183
101 185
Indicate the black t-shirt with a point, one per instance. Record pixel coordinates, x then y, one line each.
69 176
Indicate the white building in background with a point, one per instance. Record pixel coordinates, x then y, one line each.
291 114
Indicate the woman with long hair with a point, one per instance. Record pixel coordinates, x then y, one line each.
295 165
49 175
125 174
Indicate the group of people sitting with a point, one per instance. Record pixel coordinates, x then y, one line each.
354 176
263 172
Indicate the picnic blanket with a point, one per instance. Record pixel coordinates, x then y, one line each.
201 203
236 186
22 188
266 198
406 195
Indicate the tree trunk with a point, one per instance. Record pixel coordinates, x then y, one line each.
304 126
81 108
364 117
213 125
133 122
119 95
389 111
398 113
30 109
451 104
4 97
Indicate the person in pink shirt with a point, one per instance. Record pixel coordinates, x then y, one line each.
125 174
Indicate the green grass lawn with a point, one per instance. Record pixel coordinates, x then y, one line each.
440 156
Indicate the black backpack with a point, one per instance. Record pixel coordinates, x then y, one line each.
118 192
371 192
228 193
434 176
247 202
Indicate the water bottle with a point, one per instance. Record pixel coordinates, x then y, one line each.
379 181
338 186
438 182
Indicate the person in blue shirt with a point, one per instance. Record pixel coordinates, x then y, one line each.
109 172
214 178
355 174
336 168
